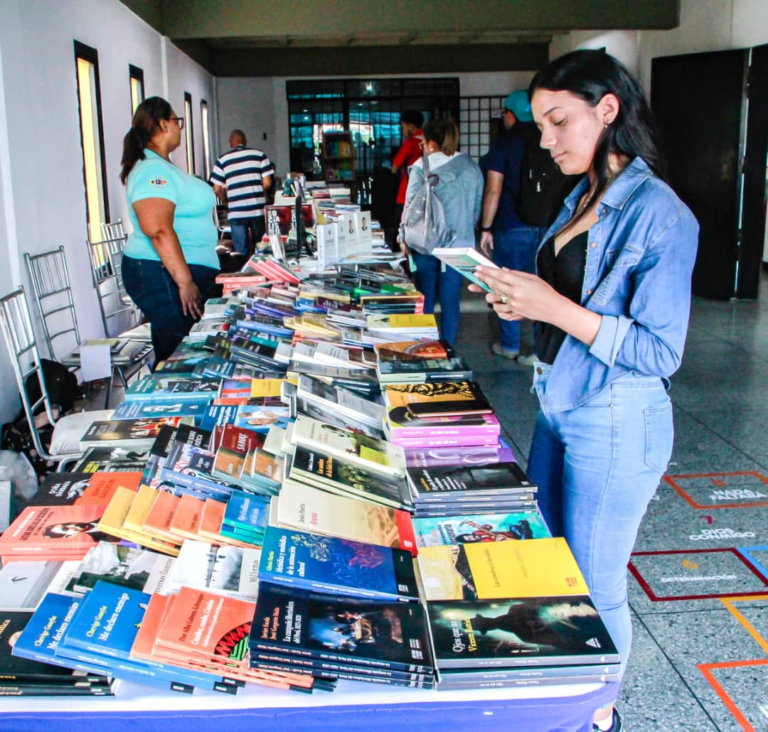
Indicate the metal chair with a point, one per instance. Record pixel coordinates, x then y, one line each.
115 230
16 325
53 293
113 299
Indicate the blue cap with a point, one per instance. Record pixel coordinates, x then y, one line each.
519 104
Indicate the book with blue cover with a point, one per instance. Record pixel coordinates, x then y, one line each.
171 389
247 513
480 528
251 417
339 566
152 410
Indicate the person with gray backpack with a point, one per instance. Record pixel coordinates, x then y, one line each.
442 206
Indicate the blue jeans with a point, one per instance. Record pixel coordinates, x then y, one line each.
432 282
597 467
515 249
152 288
240 229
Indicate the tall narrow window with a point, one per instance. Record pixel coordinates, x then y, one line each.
188 132
137 86
92 138
206 139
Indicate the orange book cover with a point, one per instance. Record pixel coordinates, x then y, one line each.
83 489
160 516
210 524
66 531
186 521
203 625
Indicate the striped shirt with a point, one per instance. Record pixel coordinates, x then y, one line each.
240 171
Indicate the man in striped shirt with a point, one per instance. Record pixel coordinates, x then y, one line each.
240 178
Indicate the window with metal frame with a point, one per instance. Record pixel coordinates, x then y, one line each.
91 138
480 122
136 77
188 133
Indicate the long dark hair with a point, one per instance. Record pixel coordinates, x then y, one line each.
146 120
590 75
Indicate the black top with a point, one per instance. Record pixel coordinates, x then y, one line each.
564 272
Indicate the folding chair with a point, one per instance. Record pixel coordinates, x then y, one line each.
53 293
21 344
113 299
114 230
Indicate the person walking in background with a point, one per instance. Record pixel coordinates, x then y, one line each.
504 236
460 190
169 261
613 297
240 178
410 151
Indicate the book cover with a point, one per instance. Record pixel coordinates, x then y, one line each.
83 489
186 521
424 371
64 531
374 455
487 571
223 570
390 634
339 566
519 632
309 509
329 472
478 455
23 584
134 434
143 410
464 260
22 670
210 522
158 520
469 481
111 460
339 398
138 569
247 512
236 439
249 417
413 350
481 528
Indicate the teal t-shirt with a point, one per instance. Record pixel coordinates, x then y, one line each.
155 177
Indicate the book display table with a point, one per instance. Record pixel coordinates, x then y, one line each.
353 706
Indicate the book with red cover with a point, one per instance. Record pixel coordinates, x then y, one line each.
67 532
160 517
83 489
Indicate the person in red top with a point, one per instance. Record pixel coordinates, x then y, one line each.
410 151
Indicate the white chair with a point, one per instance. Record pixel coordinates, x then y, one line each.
21 344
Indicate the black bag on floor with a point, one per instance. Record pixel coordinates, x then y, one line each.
18 438
61 383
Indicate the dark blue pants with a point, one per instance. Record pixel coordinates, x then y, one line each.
515 249
240 229
151 287
434 283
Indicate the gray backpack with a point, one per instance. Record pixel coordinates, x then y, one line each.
423 227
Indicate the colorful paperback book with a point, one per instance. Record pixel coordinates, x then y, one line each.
83 489
465 260
63 531
138 434
224 570
346 478
413 350
171 389
309 509
367 632
424 371
491 570
250 417
111 460
376 456
247 512
478 455
339 566
450 482
186 521
137 410
139 569
162 446
508 633
23 584
479 529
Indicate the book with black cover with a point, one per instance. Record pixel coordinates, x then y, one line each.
449 482
366 632
519 632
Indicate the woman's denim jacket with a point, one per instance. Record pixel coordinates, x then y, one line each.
640 256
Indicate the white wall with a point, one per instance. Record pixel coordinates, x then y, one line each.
44 164
705 25
258 105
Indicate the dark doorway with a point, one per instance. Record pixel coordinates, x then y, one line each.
700 102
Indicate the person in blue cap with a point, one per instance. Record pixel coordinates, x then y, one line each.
505 237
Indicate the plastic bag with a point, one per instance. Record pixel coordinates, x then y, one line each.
16 468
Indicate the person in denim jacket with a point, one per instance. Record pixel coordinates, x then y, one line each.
611 299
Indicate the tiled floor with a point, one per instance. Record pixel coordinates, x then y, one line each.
697 664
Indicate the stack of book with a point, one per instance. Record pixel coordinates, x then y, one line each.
513 614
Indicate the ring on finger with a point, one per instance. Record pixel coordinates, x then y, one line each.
503 299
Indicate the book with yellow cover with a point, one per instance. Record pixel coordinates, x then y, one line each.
261 388
139 510
499 570
401 321
114 518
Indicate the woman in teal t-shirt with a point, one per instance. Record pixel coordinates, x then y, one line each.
170 262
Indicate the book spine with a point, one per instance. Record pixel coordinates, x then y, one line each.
313 585
509 683
409 442
513 662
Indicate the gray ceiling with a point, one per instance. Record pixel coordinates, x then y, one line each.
341 37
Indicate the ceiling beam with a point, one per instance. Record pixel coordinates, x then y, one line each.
379 60
184 19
